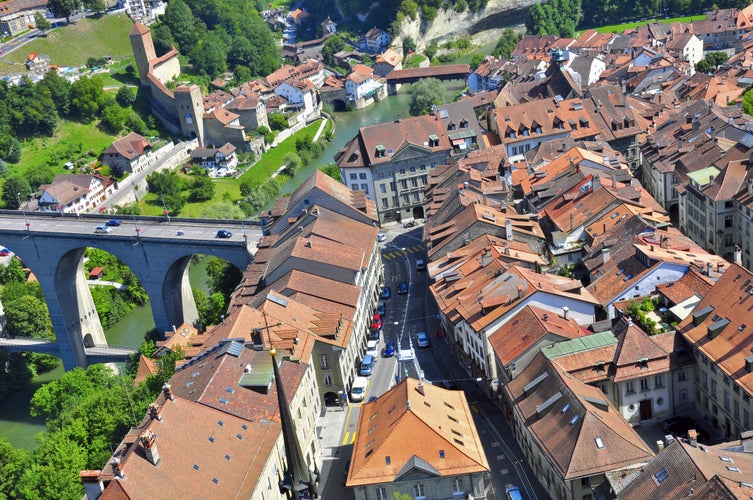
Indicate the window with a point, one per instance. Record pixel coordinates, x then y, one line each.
353 176
726 400
383 187
644 384
681 376
402 171
412 169
385 203
584 481
660 476
362 175
365 188
713 389
424 179
414 182
404 183
746 419
728 220
629 389
705 377
419 491
457 485
416 197
381 493
392 186
737 410
327 380
354 187
658 381
394 201
683 395
324 361
406 198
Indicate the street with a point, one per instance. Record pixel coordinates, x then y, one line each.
406 315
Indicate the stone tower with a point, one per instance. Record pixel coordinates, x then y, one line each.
143 50
189 105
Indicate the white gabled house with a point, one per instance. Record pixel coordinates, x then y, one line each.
218 162
74 193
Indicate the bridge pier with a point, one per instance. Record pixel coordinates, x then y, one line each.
72 311
171 297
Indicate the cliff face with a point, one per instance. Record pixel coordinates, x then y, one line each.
497 15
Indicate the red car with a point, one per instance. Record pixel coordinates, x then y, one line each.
376 322
4 252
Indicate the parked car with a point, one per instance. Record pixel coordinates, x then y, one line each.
4 252
224 233
371 347
347 469
402 288
381 237
381 308
513 492
420 265
102 229
423 340
386 293
376 322
114 222
389 350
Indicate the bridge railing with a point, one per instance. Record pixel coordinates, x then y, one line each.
144 218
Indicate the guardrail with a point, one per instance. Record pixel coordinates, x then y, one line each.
124 217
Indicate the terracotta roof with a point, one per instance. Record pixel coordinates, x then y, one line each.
637 354
728 301
415 421
390 57
138 29
573 424
129 147
224 116
693 283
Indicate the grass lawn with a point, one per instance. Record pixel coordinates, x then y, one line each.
72 45
227 189
619 28
71 141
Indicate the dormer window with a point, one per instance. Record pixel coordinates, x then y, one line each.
433 141
584 122
573 124
451 126
381 152
463 123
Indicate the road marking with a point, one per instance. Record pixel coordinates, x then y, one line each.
353 439
495 444
473 407
500 457
345 439
504 471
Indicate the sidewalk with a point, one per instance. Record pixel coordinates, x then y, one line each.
329 428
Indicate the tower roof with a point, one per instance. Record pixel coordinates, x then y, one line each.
138 29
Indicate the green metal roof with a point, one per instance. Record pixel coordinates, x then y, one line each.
465 134
703 176
586 343
260 374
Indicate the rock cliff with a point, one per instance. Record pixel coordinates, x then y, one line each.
484 25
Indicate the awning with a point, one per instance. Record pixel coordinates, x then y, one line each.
458 142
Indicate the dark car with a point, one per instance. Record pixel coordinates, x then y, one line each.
679 426
402 288
386 293
114 222
224 233
389 350
382 309
347 469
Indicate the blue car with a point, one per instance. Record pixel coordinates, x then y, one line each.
386 293
224 233
382 309
114 222
402 288
389 350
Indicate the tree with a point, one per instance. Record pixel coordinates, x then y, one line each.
332 46
179 18
409 45
12 273
28 317
95 5
223 276
222 210
209 59
12 463
711 62
506 43
425 92
292 163
332 170
15 190
126 96
3 168
63 8
201 190
114 118
87 96
277 121
41 22
59 90
431 50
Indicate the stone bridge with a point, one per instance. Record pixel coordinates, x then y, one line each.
156 249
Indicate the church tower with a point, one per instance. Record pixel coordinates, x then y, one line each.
143 50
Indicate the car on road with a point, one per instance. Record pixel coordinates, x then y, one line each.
114 223
371 347
358 389
381 237
423 340
512 492
224 233
372 398
376 322
4 252
102 229
381 308
347 469
402 288
420 265
386 293
389 350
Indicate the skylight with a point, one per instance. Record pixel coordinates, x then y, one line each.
574 419
726 459
732 469
599 442
660 475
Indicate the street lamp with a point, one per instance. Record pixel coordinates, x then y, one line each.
165 211
26 221
243 216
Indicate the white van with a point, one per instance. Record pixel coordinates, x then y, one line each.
358 389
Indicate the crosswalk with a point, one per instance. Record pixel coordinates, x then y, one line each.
394 253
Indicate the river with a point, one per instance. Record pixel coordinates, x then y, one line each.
15 422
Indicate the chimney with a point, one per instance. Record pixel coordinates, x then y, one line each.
660 445
614 181
148 440
738 259
116 471
720 267
709 268
308 243
572 165
749 186
566 312
508 230
664 241
606 159
506 248
420 388
168 392
747 441
93 486
595 183
693 438
679 143
520 291
154 412
175 330
605 255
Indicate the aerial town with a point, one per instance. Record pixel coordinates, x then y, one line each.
538 290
